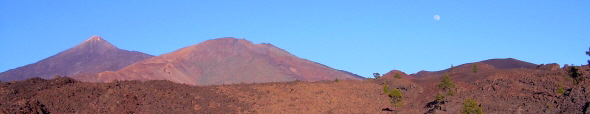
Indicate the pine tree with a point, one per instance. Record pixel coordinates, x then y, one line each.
446 83
376 75
575 74
471 106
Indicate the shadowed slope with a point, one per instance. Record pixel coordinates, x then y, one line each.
508 63
91 56
223 61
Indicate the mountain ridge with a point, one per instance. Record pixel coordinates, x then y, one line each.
224 61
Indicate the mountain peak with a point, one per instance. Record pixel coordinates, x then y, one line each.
95 38
91 56
95 43
228 41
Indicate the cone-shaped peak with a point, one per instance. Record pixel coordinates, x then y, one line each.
95 43
95 38
228 41
93 55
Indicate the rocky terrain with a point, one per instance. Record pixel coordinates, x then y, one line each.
65 95
224 61
91 56
516 90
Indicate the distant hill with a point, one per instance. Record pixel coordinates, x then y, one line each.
91 56
224 61
506 63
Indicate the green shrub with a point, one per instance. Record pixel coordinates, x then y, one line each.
549 106
474 68
336 80
439 98
451 93
398 76
560 90
471 106
396 97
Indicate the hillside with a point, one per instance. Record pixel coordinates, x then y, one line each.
65 95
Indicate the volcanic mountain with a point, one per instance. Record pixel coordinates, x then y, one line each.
506 63
91 56
224 61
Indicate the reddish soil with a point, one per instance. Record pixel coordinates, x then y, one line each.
65 95
224 61
91 56
518 90
497 90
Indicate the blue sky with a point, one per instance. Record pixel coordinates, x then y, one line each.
358 36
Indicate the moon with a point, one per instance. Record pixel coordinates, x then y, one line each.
436 17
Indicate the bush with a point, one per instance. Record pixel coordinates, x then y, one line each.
471 106
575 74
336 80
396 97
439 98
560 90
451 93
398 76
474 68
588 53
